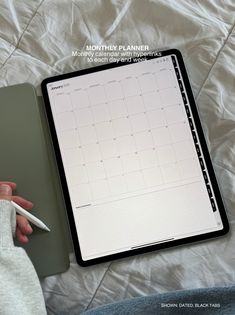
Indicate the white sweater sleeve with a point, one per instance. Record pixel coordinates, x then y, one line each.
20 290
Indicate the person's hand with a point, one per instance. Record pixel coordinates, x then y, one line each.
23 228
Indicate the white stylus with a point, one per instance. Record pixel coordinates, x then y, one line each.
30 217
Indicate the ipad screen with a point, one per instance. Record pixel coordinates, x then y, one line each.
132 158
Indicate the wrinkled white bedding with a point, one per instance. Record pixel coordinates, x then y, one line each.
36 41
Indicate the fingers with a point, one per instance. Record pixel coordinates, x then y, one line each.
11 184
23 229
23 225
22 202
21 237
6 190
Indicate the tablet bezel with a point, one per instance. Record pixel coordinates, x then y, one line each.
209 167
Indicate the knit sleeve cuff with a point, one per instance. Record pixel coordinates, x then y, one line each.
7 223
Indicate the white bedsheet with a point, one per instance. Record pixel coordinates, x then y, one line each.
36 41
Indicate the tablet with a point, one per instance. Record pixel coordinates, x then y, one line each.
132 157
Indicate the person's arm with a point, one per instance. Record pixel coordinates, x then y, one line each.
20 290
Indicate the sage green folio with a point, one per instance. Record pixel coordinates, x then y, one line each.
27 158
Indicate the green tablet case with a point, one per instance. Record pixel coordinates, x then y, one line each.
27 158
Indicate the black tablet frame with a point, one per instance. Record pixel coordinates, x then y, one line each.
192 105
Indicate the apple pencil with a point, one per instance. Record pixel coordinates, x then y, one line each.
30 217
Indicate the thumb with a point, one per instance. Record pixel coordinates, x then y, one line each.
5 191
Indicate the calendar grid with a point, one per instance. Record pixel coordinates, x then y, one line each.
125 142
